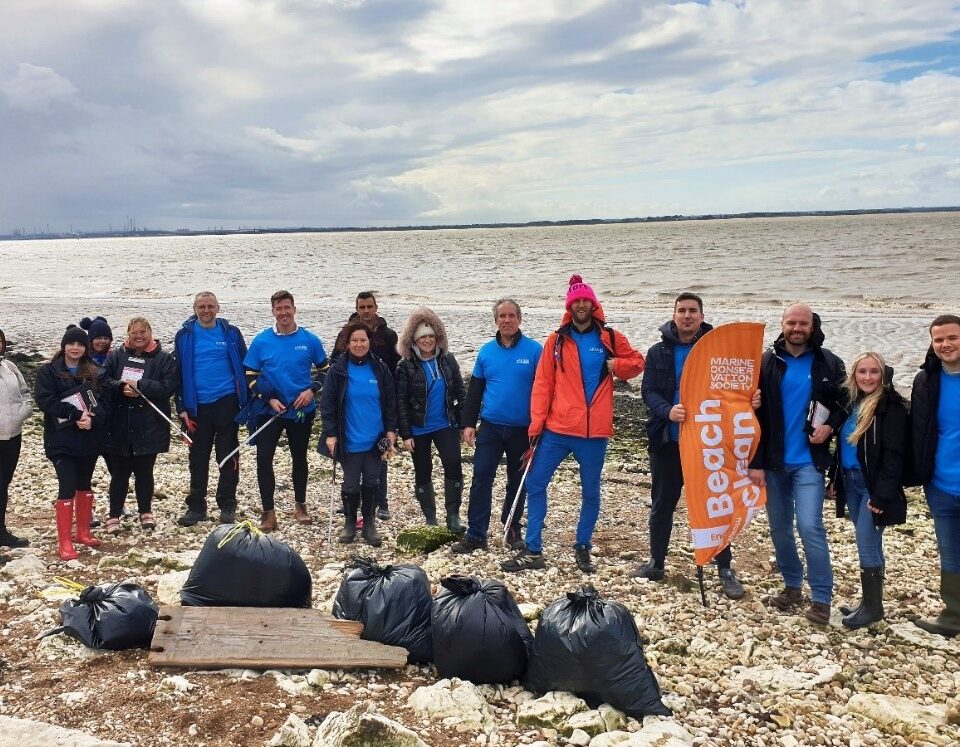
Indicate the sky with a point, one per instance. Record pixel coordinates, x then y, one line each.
201 114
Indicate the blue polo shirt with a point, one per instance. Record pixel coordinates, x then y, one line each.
848 452
364 417
946 465
508 373
211 364
285 363
435 418
796 388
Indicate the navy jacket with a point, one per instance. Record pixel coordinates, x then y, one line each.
135 428
54 380
183 345
333 402
924 401
660 383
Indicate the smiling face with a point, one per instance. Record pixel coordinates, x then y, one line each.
945 340
797 325
359 343
139 335
285 313
206 308
100 345
427 345
582 311
507 319
688 317
868 375
73 352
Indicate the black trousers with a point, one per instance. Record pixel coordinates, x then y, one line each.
73 473
9 457
298 438
216 431
667 481
361 468
121 468
447 441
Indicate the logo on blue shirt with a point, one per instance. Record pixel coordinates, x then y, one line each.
523 361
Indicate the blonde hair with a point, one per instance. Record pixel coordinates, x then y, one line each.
867 402
139 320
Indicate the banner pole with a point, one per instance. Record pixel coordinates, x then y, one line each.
703 591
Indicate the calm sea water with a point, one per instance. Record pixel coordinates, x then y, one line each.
877 280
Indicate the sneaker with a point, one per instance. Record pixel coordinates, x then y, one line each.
468 545
732 588
790 597
515 539
383 514
9 539
584 563
649 570
818 613
94 523
192 518
524 560
228 516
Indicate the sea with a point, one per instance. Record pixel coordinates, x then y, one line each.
876 280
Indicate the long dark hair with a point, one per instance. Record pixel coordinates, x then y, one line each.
87 371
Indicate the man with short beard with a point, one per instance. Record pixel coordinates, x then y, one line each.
804 403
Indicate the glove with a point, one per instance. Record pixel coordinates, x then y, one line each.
528 454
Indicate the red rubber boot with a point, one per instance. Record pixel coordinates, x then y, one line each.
64 525
84 503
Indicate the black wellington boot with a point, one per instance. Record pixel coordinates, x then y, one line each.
368 507
871 608
351 502
452 498
428 503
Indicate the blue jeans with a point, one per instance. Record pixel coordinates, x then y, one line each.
553 449
945 508
869 537
798 492
493 441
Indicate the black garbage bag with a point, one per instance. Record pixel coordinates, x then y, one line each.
392 602
478 632
240 566
110 616
591 647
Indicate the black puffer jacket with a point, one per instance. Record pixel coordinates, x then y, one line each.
135 427
924 401
412 392
54 381
828 376
883 453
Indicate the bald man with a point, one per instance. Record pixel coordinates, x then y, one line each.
804 403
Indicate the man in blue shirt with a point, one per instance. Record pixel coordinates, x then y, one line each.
935 414
210 352
279 364
499 394
804 403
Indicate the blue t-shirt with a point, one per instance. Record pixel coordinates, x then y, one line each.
284 363
364 418
795 391
213 376
508 373
680 353
946 465
435 417
593 358
848 452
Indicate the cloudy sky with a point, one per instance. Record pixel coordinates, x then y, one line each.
204 113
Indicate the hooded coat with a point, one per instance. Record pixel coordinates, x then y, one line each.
411 380
924 401
828 376
54 382
559 401
16 404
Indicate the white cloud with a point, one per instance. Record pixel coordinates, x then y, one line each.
33 87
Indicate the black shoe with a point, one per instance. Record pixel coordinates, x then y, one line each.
383 514
8 539
524 560
649 570
468 545
515 539
582 554
732 588
228 517
192 518
94 523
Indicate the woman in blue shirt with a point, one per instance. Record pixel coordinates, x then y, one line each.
358 412
867 476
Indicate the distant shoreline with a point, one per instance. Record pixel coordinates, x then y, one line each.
17 236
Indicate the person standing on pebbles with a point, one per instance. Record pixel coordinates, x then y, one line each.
867 474
71 393
499 395
279 365
430 394
15 407
935 411
212 390
661 394
571 412
804 404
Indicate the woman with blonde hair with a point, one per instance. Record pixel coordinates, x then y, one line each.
867 475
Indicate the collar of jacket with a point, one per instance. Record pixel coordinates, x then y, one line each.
516 338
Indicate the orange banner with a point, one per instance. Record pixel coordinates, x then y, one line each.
720 435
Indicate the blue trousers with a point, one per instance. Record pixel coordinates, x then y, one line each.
493 441
553 449
869 537
797 492
945 509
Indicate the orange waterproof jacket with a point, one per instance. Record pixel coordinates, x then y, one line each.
559 401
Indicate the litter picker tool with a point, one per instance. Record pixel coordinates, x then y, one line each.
333 490
249 439
523 478
185 436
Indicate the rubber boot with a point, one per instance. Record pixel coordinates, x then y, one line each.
64 527
83 501
351 502
845 610
428 503
452 498
368 507
947 623
871 608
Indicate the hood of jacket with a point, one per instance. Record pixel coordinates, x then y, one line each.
668 331
817 337
417 317
931 364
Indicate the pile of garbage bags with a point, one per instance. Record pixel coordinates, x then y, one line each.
110 616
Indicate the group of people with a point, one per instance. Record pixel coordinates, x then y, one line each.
824 433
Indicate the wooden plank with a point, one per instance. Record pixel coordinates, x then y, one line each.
264 638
